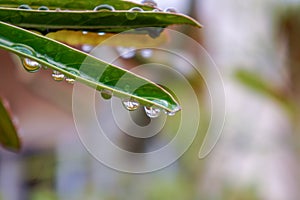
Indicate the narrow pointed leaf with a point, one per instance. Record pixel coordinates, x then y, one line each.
96 73
8 135
73 4
106 21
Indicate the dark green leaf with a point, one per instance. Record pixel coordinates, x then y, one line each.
96 73
73 4
8 135
106 21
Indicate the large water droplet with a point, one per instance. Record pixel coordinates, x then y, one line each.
152 111
171 10
126 52
106 94
149 3
57 76
30 65
25 6
104 7
133 12
43 8
101 33
130 104
146 53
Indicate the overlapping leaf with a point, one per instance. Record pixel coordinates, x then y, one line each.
81 15
96 73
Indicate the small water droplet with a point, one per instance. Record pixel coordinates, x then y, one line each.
171 10
25 6
101 33
155 10
57 76
43 8
106 94
23 48
152 111
86 48
146 53
133 12
70 80
154 32
104 7
126 52
173 112
85 32
149 3
130 104
30 65
170 113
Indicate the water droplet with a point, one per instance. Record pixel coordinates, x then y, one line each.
133 12
149 3
155 10
25 6
43 8
57 76
70 80
154 32
146 53
170 113
171 10
106 94
130 104
104 7
173 112
126 52
24 49
86 48
30 65
101 33
85 32
152 111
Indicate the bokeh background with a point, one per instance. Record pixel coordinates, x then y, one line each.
256 46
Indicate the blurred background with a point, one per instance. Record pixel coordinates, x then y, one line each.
256 47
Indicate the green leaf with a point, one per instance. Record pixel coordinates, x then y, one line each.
8 135
96 73
105 21
258 84
74 4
